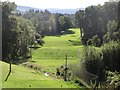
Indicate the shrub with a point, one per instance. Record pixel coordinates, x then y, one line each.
93 62
96 61
89 42
111 54
94 41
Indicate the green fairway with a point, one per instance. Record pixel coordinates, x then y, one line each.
63 41
58 47
48 57
53 53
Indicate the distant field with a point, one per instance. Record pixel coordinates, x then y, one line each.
58 47
62 41
49 57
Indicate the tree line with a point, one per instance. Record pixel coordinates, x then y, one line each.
47 23
100 27
98 23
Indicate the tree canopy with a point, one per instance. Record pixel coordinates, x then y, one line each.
95 20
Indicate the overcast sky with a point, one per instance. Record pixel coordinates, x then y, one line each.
62 4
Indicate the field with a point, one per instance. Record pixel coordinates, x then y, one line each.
48 58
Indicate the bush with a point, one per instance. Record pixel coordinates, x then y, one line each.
94 41
60 71
96 61
116 36
111 54
89 42
93 62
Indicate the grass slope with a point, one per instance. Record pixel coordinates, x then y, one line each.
22 77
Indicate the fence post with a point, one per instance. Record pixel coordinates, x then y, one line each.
65 79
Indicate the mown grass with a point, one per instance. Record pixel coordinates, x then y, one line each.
54 51
22 77
62 41
58 47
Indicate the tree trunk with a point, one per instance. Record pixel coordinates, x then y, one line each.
81 32
10 68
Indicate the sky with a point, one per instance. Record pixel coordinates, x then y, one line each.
61 4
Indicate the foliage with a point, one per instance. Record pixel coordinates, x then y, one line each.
64 72
97 20
99 60
111 54
113 79
26 37
18 34
112 33
47 23
93 62
10 30
94 41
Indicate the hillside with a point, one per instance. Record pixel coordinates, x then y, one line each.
52 10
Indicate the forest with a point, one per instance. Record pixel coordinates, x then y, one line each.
80 50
